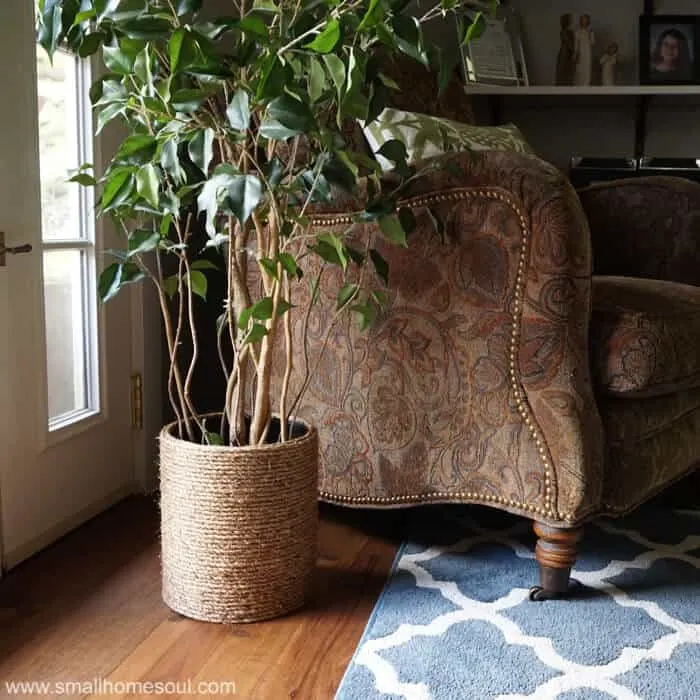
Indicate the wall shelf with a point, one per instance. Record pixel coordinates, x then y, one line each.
572 91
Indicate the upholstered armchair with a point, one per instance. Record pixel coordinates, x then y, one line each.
538 351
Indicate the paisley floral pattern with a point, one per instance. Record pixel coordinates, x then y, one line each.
644 336
645 227
474 383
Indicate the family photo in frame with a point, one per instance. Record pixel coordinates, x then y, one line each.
669 49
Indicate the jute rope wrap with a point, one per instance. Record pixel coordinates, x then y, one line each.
238 527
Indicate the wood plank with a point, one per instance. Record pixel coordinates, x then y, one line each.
90 608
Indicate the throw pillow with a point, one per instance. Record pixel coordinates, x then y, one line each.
425 136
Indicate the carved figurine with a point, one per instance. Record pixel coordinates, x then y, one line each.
585 39
608 65
566 63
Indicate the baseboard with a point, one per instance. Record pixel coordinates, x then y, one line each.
48 537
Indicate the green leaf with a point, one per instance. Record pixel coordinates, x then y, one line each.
380 265
83 179
255 334
327 40
366 313
291 113
244 318
117 61
255 25
330 248
290 265
90 44
143 241
108 284
107 114
171 285
380 297
269 266
346 295
170 161
273 130
118 10
475 29
50 29
116 276
409 38
148 183
274 172
394 150
238 111
336 69
175 47
141 145
203 264
213 438
372 16
189 100
262 310
392 229
283 306
316 79
116 183
198 283
273 77
201 149
146 27
244 194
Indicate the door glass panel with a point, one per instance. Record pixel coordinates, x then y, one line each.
68 235
66 332
59 146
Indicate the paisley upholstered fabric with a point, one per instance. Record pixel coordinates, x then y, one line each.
645 227
650 443
419 91
473 384
644 337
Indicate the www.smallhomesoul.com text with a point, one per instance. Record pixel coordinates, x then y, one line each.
103 686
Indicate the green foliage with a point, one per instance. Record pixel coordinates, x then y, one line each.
213 111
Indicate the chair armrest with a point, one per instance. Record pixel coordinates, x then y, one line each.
475 384
645 227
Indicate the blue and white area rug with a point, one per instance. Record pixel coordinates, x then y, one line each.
454 621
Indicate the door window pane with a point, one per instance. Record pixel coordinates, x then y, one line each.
66 332
59 146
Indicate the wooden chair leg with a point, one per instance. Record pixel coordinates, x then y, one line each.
555 552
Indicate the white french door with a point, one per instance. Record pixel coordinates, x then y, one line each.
66 448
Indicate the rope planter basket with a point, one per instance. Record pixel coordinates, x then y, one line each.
238 526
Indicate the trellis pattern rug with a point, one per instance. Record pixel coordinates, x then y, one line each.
454 621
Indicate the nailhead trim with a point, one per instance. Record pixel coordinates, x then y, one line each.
520 398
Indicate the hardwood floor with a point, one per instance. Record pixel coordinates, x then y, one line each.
89 608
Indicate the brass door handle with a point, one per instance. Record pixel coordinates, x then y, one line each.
11 250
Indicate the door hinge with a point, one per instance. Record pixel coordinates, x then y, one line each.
136 402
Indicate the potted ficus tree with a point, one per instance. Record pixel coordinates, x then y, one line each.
236 124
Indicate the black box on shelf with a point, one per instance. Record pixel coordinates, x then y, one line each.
585 171
688 168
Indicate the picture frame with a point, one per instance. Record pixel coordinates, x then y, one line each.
496 57
669 49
